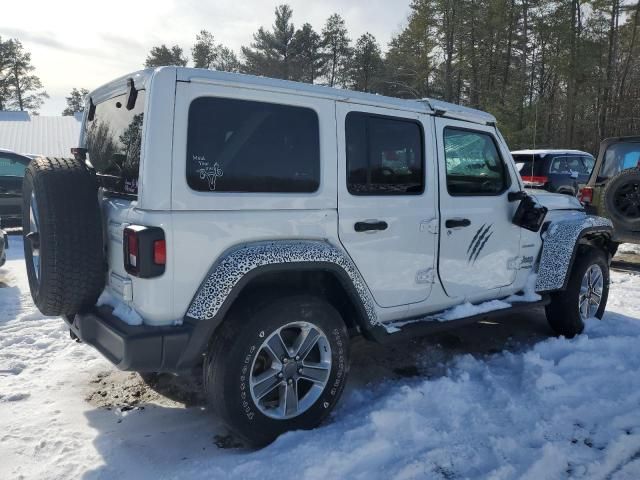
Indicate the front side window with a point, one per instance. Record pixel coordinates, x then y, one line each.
246 146
114 141
10 167
474 166
589 163
384 155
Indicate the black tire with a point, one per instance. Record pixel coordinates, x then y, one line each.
628 180
563 313
70 238
235 349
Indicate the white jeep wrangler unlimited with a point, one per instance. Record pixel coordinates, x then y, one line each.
253 225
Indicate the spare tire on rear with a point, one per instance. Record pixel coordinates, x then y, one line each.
63 239
621 200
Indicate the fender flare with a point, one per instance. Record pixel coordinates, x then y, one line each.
560 247
237 266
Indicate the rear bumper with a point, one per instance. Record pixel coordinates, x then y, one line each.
136 348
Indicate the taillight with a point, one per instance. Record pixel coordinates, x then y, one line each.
132 247
145 251
160 252
534 180
585 195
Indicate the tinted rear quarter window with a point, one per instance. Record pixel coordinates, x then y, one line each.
248 146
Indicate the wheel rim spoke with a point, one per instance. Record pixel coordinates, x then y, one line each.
315 372
276 347
290 399
265 383
305 342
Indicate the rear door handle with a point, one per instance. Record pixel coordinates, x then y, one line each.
457 222
370 225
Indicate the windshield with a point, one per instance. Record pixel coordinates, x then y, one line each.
618 157
114 140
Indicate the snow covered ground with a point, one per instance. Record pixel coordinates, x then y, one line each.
500 401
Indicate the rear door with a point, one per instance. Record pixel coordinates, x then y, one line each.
386 200
478 241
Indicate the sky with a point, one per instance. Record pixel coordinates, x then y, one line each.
86 43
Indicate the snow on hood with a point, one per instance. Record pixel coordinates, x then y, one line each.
555 201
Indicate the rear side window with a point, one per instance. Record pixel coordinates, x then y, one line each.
474 166
114 141
384 155
246 146
10 167
568 165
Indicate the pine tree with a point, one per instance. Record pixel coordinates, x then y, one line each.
366 66
308 56
75 101
4 74
226 60
23 89
337 51
207 53
271 53
163 55
204 51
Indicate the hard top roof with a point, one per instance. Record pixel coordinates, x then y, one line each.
198 75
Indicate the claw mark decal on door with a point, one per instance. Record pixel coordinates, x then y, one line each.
478 242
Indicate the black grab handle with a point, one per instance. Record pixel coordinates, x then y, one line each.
370 226
457 222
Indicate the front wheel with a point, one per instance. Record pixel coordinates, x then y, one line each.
585 297
277 368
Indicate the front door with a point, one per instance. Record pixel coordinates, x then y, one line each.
387 201
478 241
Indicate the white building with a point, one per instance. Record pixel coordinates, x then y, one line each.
39 135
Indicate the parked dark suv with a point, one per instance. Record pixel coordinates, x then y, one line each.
558 171
12 168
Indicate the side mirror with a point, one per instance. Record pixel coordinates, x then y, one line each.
517 196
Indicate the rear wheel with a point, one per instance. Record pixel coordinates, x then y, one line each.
585 297
281 367
62 228
621 200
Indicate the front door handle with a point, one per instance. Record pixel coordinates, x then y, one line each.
370 225
457 222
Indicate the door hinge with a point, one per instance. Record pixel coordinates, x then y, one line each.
431 226
425 276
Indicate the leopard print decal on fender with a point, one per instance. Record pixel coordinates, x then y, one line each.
228 271
558 247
